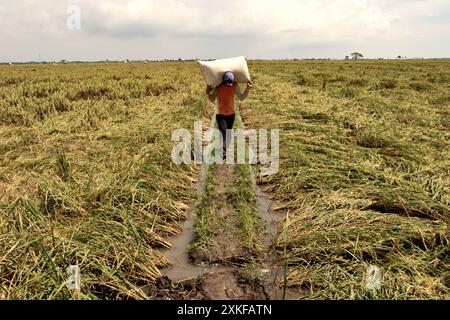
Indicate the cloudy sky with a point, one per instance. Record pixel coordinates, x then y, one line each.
158 29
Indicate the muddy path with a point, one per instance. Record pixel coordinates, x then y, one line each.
224 247
223 267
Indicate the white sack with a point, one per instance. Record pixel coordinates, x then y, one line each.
213 71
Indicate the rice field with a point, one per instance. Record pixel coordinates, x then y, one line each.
86 176
364 172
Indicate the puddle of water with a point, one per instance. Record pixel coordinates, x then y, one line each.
271 218
182 268
273 272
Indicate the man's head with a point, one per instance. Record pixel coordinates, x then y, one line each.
228 78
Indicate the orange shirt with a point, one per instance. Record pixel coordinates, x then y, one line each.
225 99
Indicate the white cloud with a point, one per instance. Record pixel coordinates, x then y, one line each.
330 19
259 26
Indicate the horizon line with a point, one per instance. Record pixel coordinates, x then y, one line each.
63 61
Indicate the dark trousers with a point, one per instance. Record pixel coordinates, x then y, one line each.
224 123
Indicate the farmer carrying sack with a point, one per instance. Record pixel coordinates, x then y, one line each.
213 71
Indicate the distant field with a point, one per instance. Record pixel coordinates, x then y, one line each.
86 175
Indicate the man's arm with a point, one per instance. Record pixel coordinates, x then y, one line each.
243 96
211 93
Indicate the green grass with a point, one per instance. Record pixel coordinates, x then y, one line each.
244 197
245 206
207 224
